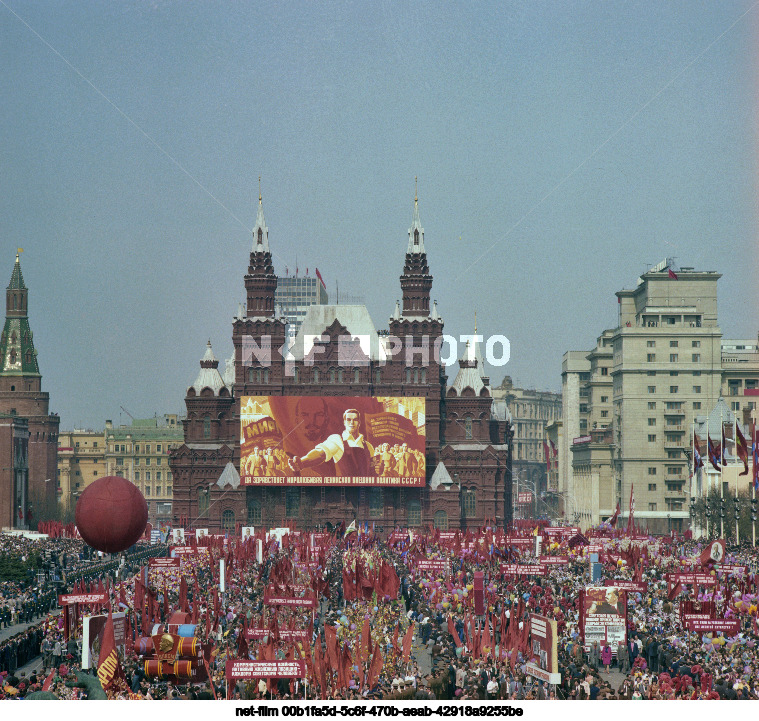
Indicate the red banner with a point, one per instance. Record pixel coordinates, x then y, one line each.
561 531
163 563
82 598
517 569
702 579
295 602
434 565
733 570
185 550
554 560
519 542
713 625
239 669
638 586
256 634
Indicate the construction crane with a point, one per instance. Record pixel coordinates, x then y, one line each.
127 412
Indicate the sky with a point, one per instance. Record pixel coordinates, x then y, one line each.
560 148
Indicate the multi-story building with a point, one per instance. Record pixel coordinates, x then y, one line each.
294 295
531 411
81 460
140 453
467 476
631 404
27 479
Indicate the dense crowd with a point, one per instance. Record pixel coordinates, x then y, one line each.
426 640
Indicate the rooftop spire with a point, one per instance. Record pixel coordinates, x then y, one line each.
260 231
17 354
416 232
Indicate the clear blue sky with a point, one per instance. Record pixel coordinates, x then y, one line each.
560 148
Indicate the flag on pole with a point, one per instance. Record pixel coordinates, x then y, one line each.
755 455
631 516
321 280
715 455
110 673
723 456
671 273
613 519
741 448
698 461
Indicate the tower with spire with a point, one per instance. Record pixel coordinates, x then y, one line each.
21 397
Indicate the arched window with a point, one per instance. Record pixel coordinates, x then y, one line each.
258 375
408 375
378 376
292 502
468 428
416 237
254 513
356 375
376 502
416 376
296 375
441 520
260 236
266 375
316 375
207 427
203 495
228 520
414 514
331 375
251 374
340 377
424 376
469 501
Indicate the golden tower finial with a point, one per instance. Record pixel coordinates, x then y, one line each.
259 188
18 252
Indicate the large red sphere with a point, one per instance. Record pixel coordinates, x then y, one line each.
111 514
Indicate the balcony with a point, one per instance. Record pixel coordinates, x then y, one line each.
674 428
680 494
674 444
674 412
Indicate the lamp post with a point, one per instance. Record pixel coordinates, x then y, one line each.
692 510
753 518
737 514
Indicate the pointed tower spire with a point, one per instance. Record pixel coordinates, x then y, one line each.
17 354
260 281
416 281
260 231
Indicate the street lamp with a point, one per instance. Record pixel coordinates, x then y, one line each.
737 514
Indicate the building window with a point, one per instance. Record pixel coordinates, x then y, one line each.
695 344
673 357
147 490
254 513
650 344
424 376
651 357
650 373
206 428
696 357
441 520
356 375
697 406
408 375
378 376
136 461
416 376
673 389
158 476
147 475
414 514
652 470
736 405
316 375
147 449
296 375
331 375
158 490
604 371
340 376
136 476
604 399
169 490
673 454
228 520
158 448
652 487
652 437
651 405
604 414
203 504
468 428
292 502
651 506
136 449
652 421
697 389
652 389
376 503
266 375
119 461
469 501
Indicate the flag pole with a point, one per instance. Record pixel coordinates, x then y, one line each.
723 443
735 453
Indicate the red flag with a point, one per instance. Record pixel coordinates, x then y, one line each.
631 517
375 668
547 454
715 454
110 673
613 519
321 280
713 553
452 630
675 591
49 681
407 642
671 273
742 449
330 636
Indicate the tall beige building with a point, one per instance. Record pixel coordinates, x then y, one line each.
531 411
81 460
630 403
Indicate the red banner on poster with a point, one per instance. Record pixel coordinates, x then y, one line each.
701 579
554 560
333 441
604 616
241 670
543 658
434 565
185 550
732 570
561 531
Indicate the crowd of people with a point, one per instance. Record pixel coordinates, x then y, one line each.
423 642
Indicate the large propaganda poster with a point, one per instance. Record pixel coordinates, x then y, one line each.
544 659
328 440
604 616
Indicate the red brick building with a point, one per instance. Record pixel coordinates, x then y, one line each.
468 479
28 432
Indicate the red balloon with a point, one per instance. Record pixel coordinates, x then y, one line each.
111 514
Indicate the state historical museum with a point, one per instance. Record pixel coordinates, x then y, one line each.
345 423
